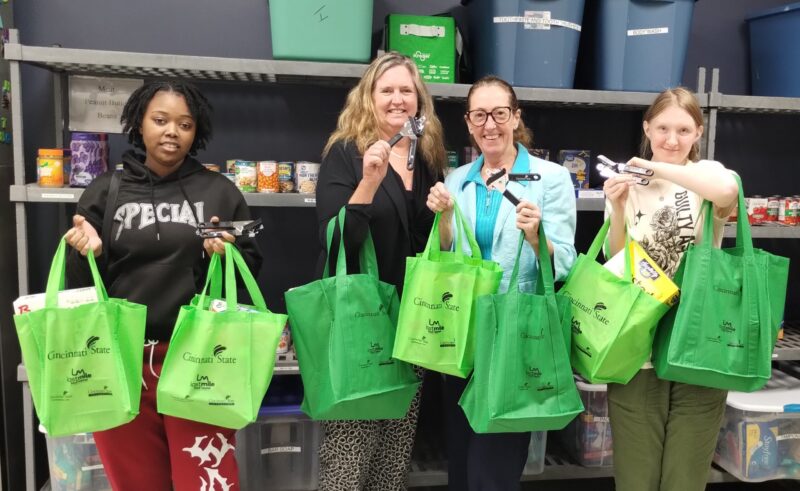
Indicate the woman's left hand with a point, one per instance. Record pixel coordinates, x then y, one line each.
217 244
528 218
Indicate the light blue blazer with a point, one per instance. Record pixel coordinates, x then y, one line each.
554 194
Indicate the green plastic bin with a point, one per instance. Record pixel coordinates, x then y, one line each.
321 31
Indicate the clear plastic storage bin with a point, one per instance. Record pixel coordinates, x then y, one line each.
588 437
279 452
535 463
75 464
760 435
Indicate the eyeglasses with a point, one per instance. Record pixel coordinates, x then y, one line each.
478 117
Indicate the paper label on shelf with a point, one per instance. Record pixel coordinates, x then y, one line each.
310 200
290 368
648 32
422 31
530 21
287 449
58 196
95 103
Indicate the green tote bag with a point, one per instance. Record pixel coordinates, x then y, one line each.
219 365
725 326
435 328
343 330
613 320
522 379
84 363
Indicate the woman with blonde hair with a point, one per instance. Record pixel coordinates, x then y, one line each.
382 195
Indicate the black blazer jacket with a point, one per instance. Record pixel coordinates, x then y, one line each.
399 221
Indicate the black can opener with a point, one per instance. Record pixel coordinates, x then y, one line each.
248 228
609 168
500 178
413 129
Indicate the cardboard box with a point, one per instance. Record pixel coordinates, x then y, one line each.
66 299
429 40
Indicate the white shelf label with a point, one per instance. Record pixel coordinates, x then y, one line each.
289 368
648 32
58 196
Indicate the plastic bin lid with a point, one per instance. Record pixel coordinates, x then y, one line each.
587 387
780 395
773 11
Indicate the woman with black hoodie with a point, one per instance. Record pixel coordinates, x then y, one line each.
144 234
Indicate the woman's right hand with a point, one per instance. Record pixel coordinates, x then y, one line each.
440 200
616 189
83 237
376 162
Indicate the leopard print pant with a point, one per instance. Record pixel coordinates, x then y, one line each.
368 455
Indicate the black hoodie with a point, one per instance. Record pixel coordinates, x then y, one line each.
155 257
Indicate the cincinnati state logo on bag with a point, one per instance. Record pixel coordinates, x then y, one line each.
90 348
216 357
202 382
446 303
727 326
366 364
717 339
545 386
63 396
735 344
596 311
381 311
434 326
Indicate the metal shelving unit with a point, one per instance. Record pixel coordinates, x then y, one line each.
65 61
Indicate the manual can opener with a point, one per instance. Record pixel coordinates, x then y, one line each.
500 178
249 228
609 168
413 129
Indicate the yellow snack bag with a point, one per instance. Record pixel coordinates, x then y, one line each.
646 274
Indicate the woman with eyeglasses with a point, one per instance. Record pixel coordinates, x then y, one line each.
495 461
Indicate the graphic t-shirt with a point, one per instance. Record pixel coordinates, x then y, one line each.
665 218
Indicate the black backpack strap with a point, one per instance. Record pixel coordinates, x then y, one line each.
108 215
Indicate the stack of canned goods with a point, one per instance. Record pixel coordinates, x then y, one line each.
271 176
783 210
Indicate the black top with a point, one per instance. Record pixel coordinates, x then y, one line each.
155 257
397 231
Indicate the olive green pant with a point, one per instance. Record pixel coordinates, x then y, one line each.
664 433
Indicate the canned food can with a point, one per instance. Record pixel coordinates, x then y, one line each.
757 209
784 210
286 177
246 176
773 207
306 175
793 213
267 171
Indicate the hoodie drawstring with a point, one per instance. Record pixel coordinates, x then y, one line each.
153 203
152 344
